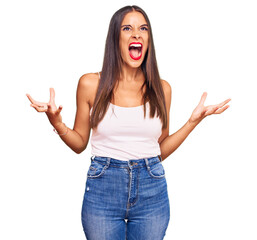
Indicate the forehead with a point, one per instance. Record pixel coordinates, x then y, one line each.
134 18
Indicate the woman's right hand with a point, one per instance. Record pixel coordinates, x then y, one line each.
49 108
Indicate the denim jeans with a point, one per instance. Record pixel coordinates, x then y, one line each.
125 200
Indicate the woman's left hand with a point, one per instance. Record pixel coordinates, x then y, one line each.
201 111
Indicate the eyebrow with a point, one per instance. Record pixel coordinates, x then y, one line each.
127 25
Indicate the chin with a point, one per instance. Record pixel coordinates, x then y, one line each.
133 63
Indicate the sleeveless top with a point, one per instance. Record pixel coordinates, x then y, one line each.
125 134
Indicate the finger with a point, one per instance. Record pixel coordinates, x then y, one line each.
34 101
38 104
30 98
52 95
221 110
49 107
224 103
203 98
59 110
38 108
211 109
219 106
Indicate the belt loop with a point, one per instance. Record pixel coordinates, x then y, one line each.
160 158
108 161
92 158
147 163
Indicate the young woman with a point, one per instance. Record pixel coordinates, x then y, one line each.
127 106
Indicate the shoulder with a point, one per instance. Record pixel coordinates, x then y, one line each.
87 86
89 80
166 88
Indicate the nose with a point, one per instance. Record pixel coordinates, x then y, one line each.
136 34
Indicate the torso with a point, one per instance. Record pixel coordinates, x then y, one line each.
128 97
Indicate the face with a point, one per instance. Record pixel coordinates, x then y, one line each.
133 39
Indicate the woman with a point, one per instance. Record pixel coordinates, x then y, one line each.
127 106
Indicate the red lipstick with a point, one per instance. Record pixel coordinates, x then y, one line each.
135 50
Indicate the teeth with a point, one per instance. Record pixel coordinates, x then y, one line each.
135 45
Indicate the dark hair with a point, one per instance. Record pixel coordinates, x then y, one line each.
111 71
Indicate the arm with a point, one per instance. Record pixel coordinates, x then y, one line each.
169 143
173 141
76 138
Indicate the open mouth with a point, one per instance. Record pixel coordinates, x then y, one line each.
135 50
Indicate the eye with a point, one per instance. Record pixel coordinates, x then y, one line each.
144 28
126 29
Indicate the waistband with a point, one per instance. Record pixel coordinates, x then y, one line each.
143 162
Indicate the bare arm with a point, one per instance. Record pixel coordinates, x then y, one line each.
169 143
76 138
172 142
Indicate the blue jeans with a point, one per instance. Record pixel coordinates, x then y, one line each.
125 200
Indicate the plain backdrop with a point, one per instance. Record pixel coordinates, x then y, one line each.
201 45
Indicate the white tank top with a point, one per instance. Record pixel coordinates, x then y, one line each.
125 134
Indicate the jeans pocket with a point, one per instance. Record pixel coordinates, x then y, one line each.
96 169
156 170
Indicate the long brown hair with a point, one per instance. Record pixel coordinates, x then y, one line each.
111 71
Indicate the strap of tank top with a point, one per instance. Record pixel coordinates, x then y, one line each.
99 75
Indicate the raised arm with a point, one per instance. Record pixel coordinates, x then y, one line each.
169 143
76 138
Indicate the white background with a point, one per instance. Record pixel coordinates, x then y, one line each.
201 46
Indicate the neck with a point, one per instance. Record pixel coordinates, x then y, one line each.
129 74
